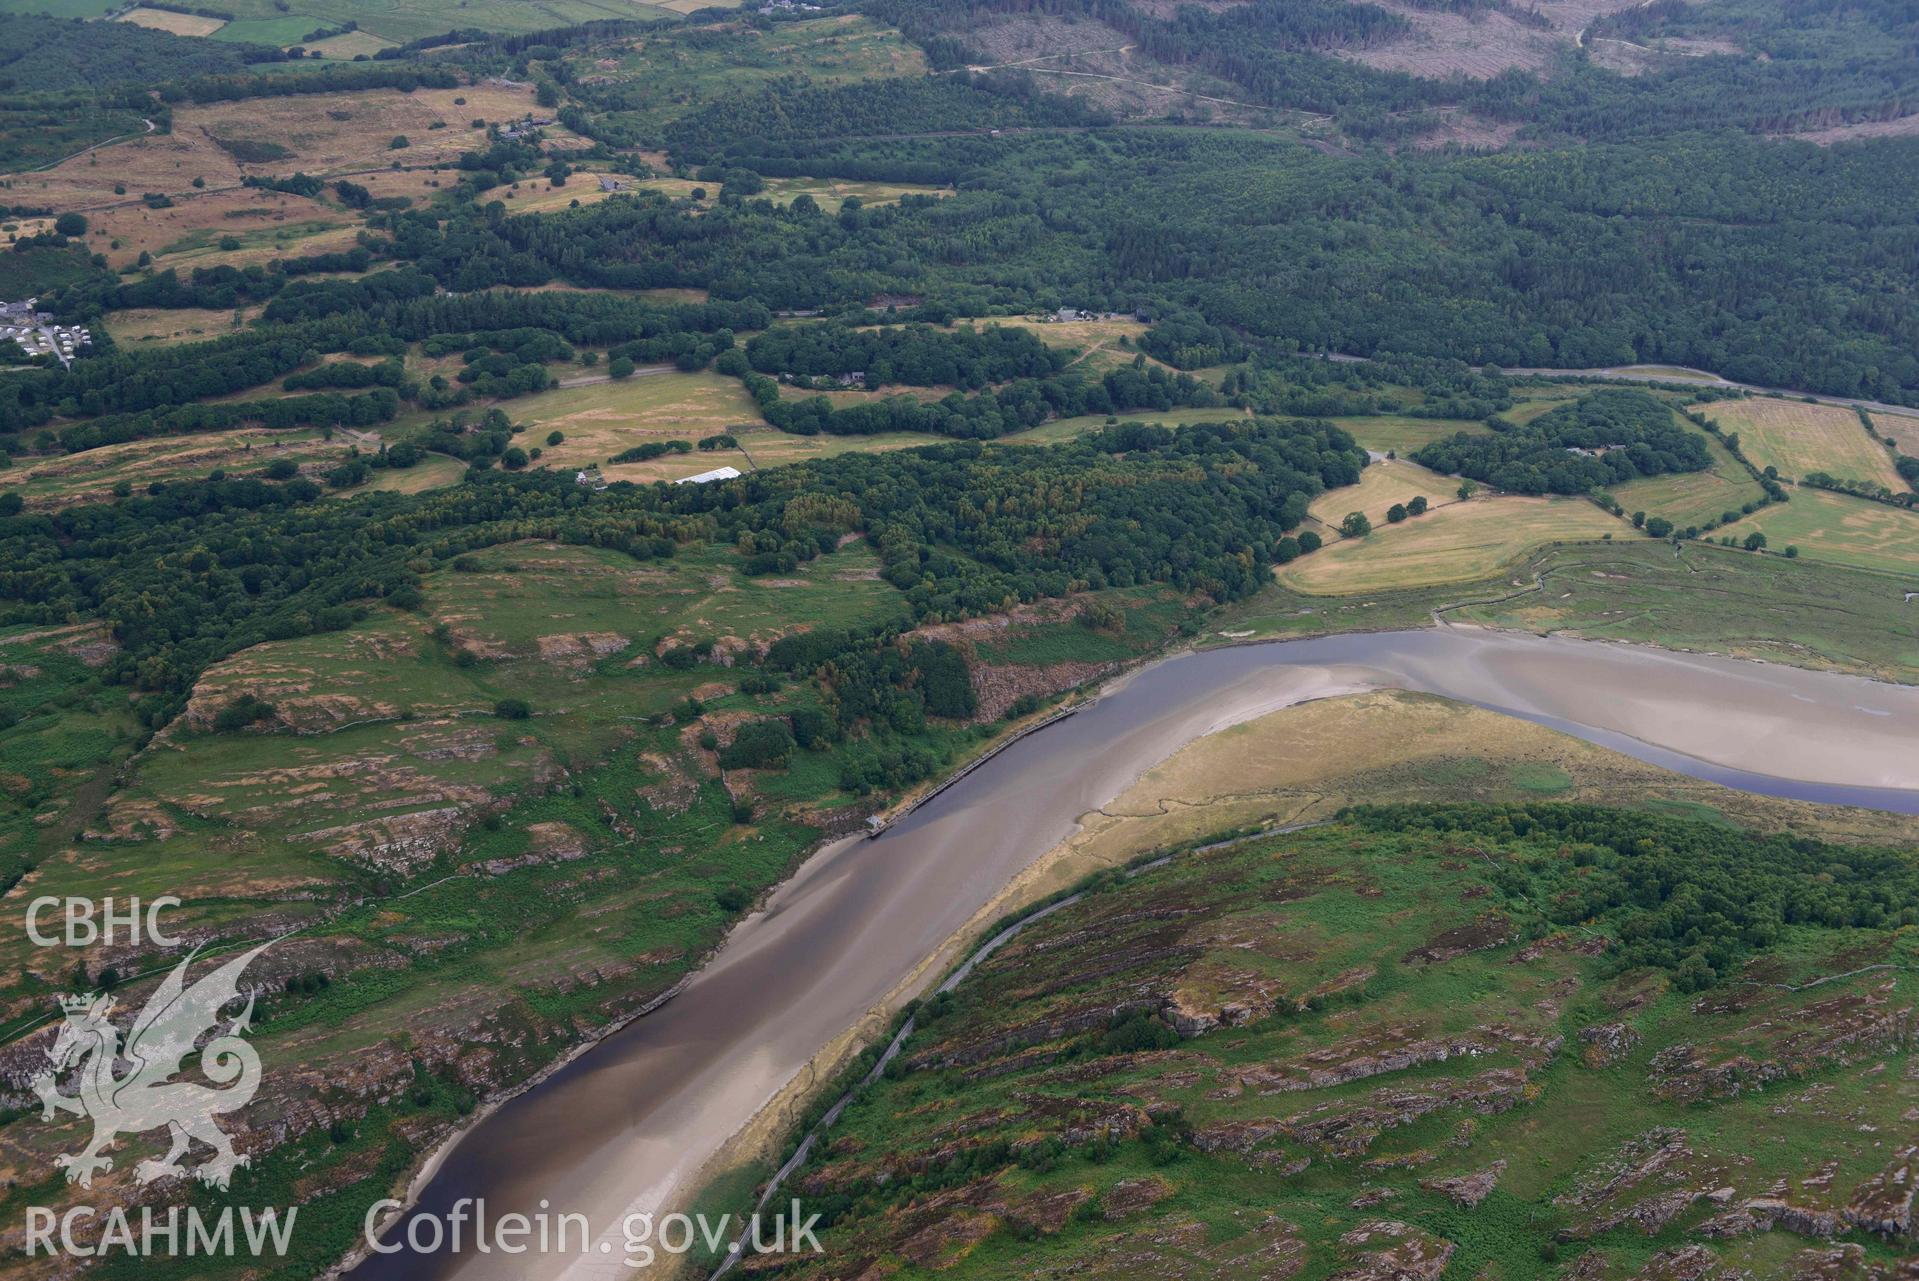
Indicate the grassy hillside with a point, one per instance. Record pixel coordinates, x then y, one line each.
1419 1041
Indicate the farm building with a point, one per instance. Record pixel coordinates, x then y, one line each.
718 473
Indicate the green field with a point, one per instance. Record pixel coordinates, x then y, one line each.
63 8
1693 498
265 22
267 31
1394 433
1841 529
1636 589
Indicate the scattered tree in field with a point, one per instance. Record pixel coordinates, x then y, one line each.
512 709
1396 513
1755 541
1356 525
1658 526
1417 507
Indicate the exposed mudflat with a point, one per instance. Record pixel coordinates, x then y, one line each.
628 1127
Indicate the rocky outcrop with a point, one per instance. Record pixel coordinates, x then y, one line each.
1468 1190
1394 1251
1607 1043
1883 1203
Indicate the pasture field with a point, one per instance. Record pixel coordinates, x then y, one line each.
1399 434
1457 543
89 476
1534 401
1903 428
172 324
62 8
1693 498
179 24
322 134
1700 596
350 44
1669 373
539 195
285 31
601 419
1382 484
1102 344
1800 439
432 472
1840 528
829 193
393 21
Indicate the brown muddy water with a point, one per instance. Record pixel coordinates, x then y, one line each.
626 1128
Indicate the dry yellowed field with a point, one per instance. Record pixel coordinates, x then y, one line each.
89 476
1799 439
179 24
326 134
164 325
1389 481
269 224
1903 428
602 419
1461 542
537 195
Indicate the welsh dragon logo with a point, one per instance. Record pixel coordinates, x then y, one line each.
145 1097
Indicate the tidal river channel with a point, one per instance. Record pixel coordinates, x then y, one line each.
625 1128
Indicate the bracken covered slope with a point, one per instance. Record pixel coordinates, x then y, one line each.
1469 1041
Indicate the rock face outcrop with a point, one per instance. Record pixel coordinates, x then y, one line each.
1468 1190
1607 1043
1394 1251
1883 1203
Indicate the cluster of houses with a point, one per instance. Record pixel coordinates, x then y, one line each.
789 6
524 128
34 332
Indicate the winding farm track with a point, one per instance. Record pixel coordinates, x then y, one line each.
54 164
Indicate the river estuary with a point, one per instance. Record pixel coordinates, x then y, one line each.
628 1126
